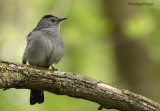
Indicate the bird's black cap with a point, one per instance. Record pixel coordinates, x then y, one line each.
48 16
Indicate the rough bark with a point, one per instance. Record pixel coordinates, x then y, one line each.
63 83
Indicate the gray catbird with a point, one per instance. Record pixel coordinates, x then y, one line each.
44 47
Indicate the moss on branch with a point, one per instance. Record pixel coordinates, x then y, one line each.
64 83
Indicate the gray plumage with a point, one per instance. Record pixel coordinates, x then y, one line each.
44 47
44 43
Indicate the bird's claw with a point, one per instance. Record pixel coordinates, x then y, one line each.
100 108
54 69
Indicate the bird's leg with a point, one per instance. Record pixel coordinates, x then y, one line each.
100 108
54 69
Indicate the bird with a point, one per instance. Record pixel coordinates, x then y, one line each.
44 47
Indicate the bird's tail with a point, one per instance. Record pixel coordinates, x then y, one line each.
36 96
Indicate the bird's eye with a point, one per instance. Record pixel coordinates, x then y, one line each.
53 20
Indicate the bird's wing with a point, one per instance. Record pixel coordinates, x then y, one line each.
28 37
37 44
26 49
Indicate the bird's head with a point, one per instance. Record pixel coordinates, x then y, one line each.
50 21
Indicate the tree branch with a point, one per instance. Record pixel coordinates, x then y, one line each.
63 83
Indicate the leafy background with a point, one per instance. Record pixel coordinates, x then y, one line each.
107 40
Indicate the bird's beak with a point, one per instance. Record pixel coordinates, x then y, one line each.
61 19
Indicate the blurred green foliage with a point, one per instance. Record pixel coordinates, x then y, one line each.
86 34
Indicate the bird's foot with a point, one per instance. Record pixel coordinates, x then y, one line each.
100 108
54 69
